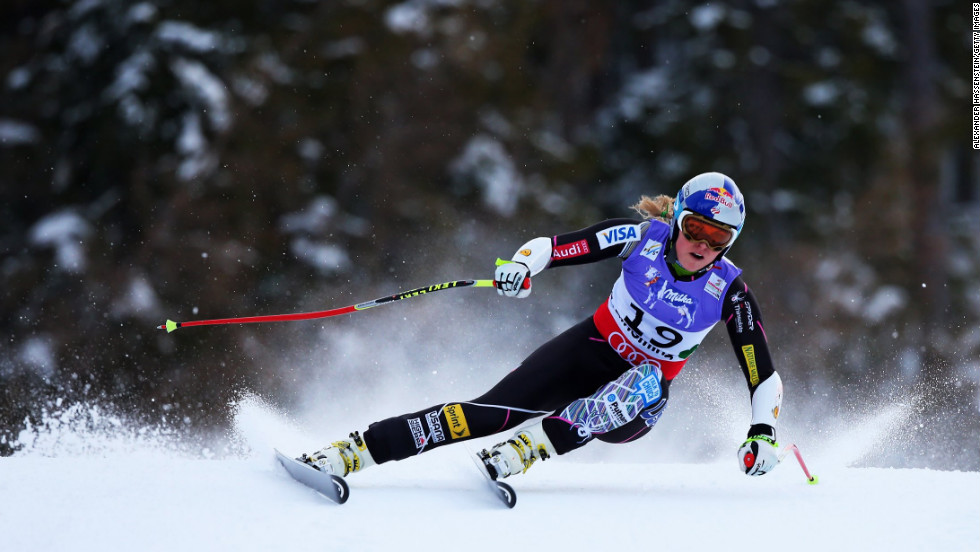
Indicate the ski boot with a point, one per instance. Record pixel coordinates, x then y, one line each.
341 457
516 454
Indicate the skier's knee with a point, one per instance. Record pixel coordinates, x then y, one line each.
564 435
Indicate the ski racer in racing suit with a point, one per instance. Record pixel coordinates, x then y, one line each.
608 376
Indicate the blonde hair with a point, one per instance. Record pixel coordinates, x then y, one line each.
658 208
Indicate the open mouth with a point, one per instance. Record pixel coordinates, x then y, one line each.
697 256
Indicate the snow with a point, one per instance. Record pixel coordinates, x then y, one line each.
414 16
104 485
139 299
37 353
327 258
14 133
885 301
821 94
486 162
314 219
208 88
706 18
188 36
644 89
65 231
131 75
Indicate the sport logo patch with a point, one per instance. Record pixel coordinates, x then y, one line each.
458 428
615 410
648 389
570 250
435 426
722 196
652 249
715 286
418 433
675 302
749 352
617 234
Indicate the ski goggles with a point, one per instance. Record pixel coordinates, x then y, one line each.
697 228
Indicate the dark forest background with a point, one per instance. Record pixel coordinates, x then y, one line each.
176 159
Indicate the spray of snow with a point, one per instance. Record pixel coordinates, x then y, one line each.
259 426
880 429
91 429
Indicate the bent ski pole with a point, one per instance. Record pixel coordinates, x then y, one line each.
170 325
811 479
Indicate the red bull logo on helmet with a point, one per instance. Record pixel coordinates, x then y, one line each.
720 195
715 196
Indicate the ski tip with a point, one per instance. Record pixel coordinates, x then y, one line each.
343 490
506 494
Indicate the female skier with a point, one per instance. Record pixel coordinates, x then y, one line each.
608 376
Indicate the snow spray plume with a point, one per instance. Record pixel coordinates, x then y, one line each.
258 426
78 429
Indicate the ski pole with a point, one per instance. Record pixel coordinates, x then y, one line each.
811 479
170 325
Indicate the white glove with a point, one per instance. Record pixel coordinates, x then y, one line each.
758 455
512 279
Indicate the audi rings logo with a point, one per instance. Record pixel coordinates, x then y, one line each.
625 349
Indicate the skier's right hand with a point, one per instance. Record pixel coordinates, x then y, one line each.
758 455
512 279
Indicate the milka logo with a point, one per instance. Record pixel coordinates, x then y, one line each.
616 235
684 305
674 297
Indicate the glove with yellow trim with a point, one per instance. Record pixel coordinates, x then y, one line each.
758 455
512 279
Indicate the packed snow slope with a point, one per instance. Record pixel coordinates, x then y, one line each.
131 489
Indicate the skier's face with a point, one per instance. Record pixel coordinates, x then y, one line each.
694 256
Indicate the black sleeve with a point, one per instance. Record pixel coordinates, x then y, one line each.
583 246
742 317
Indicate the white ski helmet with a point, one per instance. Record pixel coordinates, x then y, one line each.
715 197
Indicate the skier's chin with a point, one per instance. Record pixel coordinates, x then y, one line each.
695 261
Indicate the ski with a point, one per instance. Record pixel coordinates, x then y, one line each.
503 491
329 486
335 488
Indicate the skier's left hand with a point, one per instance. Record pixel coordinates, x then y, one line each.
758 455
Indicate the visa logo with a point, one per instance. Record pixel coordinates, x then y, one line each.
617 234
